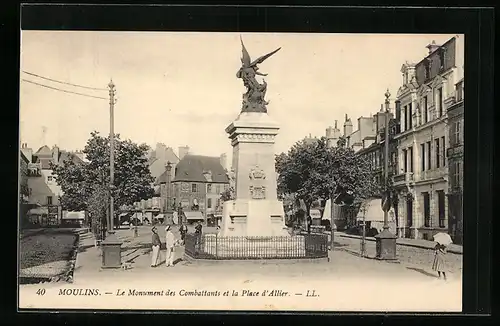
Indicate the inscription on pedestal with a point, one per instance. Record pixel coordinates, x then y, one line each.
257 189
258 192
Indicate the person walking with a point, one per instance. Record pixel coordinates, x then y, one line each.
169 244
439 262
156 243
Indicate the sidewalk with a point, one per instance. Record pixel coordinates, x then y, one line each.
417 243
417 256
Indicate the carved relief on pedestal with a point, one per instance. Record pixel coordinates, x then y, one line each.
257 189
255 137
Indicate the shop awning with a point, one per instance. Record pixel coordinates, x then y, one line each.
193 215
159 216
38 211
74 216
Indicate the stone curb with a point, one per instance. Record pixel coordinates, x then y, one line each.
68 276
414 245
357 254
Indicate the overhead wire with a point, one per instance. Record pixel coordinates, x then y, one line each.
62 82
63 90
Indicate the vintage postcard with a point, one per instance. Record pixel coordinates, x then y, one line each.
241 171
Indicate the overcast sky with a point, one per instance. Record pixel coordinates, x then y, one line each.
181 88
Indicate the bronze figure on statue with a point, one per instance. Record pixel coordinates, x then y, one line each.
254 98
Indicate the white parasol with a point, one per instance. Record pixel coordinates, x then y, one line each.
443 239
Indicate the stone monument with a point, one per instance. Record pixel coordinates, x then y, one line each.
255 212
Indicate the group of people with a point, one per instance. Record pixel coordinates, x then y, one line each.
170 243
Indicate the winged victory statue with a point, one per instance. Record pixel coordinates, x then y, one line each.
254 98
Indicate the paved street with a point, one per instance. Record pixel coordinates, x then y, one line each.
418 259
347 282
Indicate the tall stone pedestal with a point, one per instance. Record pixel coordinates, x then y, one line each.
256 211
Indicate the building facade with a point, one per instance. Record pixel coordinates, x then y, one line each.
455 154
198 184
43 191
159 158
422 179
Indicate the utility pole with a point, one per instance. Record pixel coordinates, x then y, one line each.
386 241
386 158
111 247
111 154
332 221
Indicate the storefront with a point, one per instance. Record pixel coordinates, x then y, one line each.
193 217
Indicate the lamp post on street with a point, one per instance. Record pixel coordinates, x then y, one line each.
111 247
385 240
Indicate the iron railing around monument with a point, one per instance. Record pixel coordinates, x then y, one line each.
211 246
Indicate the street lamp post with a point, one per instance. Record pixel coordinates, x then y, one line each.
168 206
385 240
111 247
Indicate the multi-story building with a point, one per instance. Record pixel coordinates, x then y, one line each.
44 192
198 184
455 154
422 181
367 140
373 146
159 158
23 187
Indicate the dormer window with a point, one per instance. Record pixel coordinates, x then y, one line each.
405 77
208 175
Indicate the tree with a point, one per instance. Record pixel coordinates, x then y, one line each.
229 192
313 170
132 179
98 205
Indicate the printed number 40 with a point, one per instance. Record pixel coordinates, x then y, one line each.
40 291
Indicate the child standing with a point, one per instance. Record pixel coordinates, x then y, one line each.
439 263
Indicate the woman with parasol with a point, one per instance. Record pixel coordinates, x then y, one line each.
442 241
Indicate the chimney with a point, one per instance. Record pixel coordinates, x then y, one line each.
332 136
161 151
347 127
28 152
223 160
183 151
433 46
55 154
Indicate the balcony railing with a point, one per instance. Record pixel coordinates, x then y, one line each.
433 174
406 177
455 150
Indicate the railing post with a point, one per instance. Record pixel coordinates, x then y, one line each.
216 246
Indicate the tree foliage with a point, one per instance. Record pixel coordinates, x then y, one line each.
98 204
229 193
132 179
313 170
